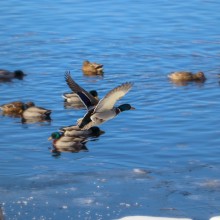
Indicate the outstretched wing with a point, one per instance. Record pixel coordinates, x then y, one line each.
87 99
112 97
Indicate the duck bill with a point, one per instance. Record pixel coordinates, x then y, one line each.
133 108
102 132
50 138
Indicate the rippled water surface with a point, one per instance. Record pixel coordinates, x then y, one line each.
161 159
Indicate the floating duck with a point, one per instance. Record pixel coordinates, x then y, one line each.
15 108
8 75
77 132
36 112
91 69
187 76
63 143
104 110
73 100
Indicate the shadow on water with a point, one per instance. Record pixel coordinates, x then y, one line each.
177 82
27 121
186 83
36 120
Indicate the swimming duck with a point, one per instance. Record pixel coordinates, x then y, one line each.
63 143
7 75
77 132
73 100
187 76
90 68
104 110
15 108
36 112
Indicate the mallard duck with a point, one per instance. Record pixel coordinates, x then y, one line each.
187 76
90 68
73 100
63 143
7 75
104 110
16 107
77 132
36 112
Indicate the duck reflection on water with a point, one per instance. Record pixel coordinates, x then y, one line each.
72 139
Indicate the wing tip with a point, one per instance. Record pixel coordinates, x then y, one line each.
67 74
127 85
130 83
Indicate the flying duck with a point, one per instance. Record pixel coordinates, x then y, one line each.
102 111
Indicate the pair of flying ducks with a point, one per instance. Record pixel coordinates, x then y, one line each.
101 111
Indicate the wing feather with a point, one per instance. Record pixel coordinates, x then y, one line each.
87 99
112 97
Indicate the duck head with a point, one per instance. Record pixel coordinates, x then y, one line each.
125 107
29 104
94 93
96 131
200 76
86 63
55 135
19 74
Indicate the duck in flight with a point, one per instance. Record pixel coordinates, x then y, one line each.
73 100
101 111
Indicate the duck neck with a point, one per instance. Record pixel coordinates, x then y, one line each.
117 110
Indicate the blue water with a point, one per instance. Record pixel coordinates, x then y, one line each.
161 159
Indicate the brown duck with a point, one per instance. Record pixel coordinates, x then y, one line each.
187 76
92 69
15 108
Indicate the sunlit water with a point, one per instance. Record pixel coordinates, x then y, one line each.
161 159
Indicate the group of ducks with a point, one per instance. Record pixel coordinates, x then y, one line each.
88 68
27 111
73 138
98 111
